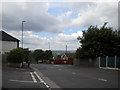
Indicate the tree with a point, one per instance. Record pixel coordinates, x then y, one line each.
16 55
48 55
27 54
99 42
38 54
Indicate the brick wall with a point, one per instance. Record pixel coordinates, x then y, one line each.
62 62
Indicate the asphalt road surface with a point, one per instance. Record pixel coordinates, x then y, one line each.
68 76
50 77
25 78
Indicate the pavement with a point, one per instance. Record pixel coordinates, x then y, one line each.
21 78
69 76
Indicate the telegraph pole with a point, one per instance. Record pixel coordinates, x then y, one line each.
66 49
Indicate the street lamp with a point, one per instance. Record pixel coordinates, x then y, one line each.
22 32
22 41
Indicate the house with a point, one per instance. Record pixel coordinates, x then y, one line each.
7 42
64 57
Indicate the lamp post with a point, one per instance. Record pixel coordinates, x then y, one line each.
22 32
22 42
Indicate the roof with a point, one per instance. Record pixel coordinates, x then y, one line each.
7 37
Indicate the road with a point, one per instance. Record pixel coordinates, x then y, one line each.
49 77
68 76
17 78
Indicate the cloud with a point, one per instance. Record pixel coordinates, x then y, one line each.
56 43
35 14
88 13
38 19
97 14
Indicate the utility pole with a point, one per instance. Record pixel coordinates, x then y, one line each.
22 32
66 49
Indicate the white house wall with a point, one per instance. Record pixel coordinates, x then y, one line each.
7 46
0 47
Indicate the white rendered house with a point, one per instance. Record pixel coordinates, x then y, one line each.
7 42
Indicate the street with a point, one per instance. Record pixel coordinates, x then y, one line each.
68 76
48 77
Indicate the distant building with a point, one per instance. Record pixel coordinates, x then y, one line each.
64 57
7 42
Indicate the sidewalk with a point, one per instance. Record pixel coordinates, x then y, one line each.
19 78
109 68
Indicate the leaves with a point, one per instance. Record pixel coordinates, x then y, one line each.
42 55
16 55
99 42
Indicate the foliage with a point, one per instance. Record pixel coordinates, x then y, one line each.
39 54
16 55
48 55
59 56
27 54
99 42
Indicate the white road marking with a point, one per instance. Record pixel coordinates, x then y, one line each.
102 79
58 65
59 69
73 73
21 81
42 81
38 77
34 80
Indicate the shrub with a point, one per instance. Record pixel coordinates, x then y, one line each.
16 55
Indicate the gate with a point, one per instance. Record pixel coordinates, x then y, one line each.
111 62
103 61
117 62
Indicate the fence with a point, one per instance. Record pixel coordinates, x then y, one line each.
109 61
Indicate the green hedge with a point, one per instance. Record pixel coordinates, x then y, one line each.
16 55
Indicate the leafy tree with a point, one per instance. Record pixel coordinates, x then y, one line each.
99 42
38 54
27 54
48 55
16 55
59 56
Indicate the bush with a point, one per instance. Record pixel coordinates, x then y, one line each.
16 55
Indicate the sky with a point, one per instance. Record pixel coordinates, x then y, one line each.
55 24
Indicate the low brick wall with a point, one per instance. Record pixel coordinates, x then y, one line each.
62 62
17 65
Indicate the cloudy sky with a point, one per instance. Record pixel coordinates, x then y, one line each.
55 23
